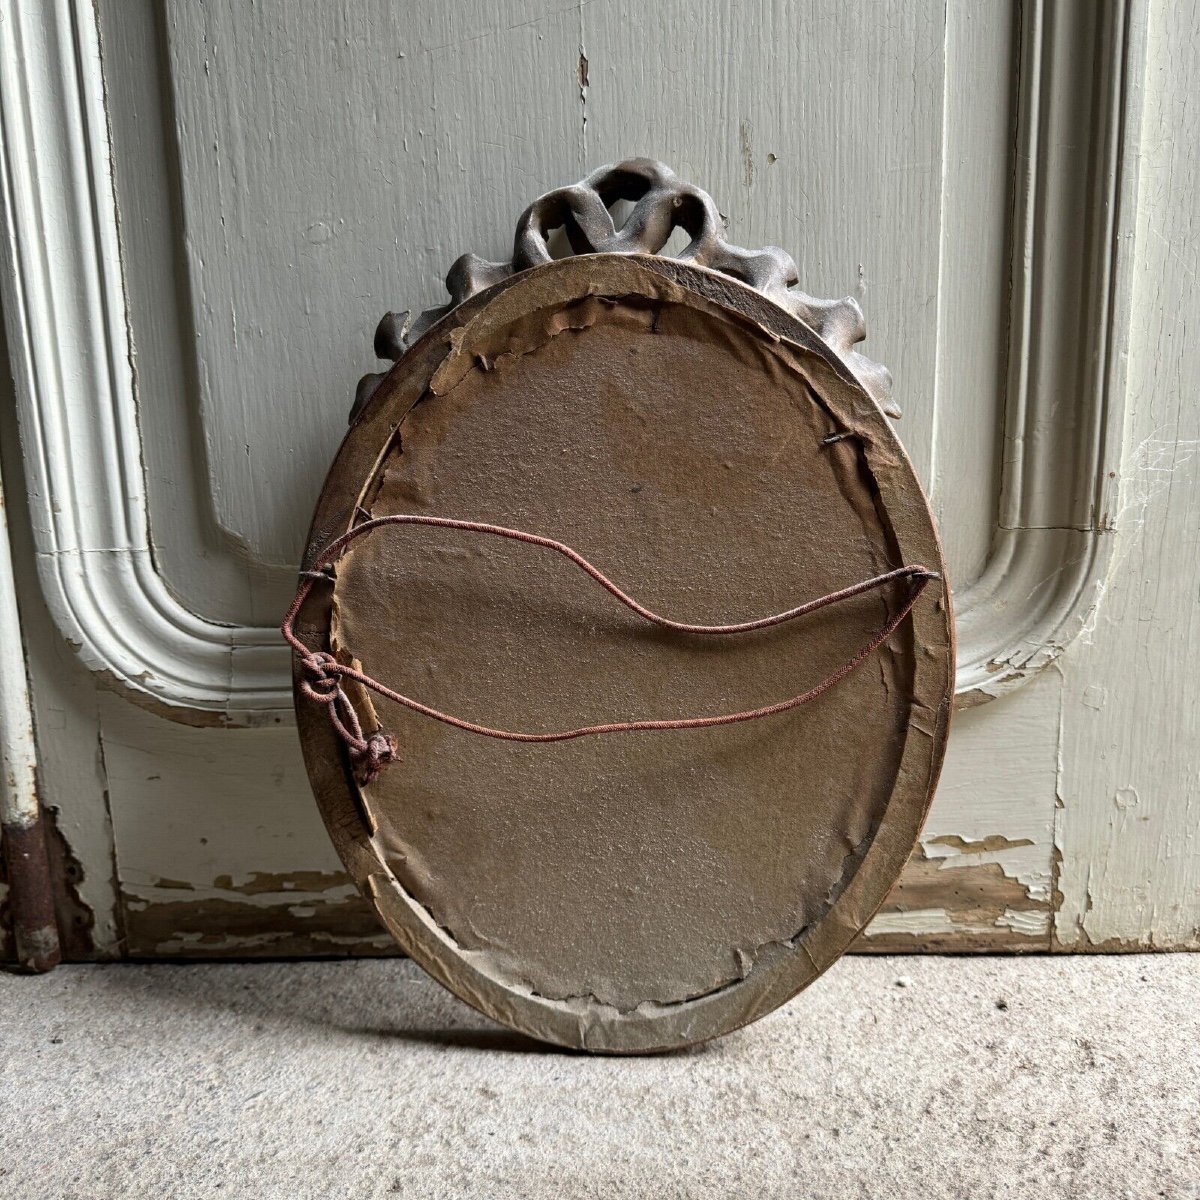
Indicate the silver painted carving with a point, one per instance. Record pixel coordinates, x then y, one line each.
661 202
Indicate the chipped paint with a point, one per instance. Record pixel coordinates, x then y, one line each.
994 850
956 894
1029 923
76 919
991 844
214 925
256 883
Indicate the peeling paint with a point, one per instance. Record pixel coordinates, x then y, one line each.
212 926
950 899
75 918
257 883
992 850
989 844
1030 923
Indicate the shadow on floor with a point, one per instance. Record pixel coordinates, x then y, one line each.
389 998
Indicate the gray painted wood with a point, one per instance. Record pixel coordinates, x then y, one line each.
344 181
1129 785
903 218
286 172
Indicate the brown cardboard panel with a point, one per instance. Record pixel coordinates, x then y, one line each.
625 892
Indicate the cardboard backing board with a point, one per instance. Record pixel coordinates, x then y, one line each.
714 457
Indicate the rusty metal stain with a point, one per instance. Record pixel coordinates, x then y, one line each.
29 906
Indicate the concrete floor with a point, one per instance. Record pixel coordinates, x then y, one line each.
890 1078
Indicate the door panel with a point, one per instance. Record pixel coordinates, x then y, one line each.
226 199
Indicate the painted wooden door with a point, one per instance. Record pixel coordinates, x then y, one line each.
209 205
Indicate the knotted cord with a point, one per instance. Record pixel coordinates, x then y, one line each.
322 674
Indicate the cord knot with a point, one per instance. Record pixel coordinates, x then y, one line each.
380 749
322 682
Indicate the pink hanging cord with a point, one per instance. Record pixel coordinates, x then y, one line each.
322 675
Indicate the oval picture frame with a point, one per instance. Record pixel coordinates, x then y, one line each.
720 453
